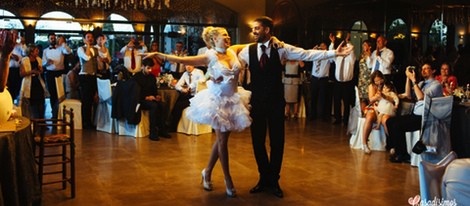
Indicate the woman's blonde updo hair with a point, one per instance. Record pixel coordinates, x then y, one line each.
30 49
209 33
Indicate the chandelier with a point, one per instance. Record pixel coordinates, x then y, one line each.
123 4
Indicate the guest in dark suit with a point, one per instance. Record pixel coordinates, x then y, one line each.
267 98
151 101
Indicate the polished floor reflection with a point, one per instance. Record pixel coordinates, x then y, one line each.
319 168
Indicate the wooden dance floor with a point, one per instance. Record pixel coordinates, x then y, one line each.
319 168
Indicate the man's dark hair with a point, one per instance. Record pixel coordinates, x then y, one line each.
266 22
100 35
148 62
87 32
50 34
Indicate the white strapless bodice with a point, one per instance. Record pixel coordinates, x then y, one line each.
222 105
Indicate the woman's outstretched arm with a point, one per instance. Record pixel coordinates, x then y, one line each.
191 60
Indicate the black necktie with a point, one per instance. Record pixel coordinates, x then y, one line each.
264 57
189 77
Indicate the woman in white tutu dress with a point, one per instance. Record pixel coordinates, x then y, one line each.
223 105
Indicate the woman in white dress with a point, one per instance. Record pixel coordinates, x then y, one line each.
292 81
223 105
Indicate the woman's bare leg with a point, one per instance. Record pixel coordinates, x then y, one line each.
296 110
370 119
222 142
214 156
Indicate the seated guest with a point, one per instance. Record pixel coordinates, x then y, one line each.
187 86
447 80
151 101
377 81
399 125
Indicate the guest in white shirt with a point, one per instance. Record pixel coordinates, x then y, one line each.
320 86
344 88
382 58
14 78
132 59
178 69
88 56
53 62
187 86
104 58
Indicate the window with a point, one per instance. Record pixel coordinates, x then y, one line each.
121 34
438 34
71 30
358 35
6 23
60 25
398 40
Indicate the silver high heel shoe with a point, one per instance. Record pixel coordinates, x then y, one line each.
207 185
231 192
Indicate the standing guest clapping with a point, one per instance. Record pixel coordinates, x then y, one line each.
53 62
33 89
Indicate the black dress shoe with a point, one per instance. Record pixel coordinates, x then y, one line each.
154 138
164 135
277 191
257 189
399 158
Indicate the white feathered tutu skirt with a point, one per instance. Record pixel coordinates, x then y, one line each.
225 112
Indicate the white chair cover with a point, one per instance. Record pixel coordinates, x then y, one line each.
437 127
377 138
74 104
354 114
456 182
187 126
103 119
140 130
430 177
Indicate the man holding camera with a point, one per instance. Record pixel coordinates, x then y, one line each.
132 59
399 125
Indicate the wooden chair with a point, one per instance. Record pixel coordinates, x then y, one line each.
53 152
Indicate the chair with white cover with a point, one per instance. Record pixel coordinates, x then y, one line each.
74 104
103 119
123 100
135 130
377 138
430 177
456 182
435 128
187 126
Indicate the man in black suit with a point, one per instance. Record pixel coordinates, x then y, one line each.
151 101
267 98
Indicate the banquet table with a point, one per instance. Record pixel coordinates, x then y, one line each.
169 97
460 129
19 183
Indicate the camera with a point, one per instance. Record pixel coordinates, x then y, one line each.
411 68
